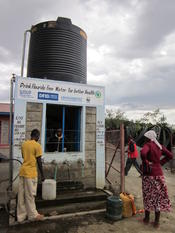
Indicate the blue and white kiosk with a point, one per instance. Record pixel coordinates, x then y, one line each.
76 109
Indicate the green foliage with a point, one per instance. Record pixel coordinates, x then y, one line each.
154 118
151 120
115 118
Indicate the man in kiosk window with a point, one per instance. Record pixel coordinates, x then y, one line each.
31 152
55 142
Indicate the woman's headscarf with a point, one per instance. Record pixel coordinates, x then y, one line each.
152 136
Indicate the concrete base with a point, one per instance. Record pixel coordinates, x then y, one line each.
71 202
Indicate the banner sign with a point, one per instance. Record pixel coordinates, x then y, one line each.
57 91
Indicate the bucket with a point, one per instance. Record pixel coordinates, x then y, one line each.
49 189
114 208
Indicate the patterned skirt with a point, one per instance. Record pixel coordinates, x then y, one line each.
155 194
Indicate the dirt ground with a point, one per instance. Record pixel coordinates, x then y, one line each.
99 223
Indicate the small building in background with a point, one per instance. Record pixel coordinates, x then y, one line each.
4 128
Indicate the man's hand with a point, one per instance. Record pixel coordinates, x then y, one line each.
39 162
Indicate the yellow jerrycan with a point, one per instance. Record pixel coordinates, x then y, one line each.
128 208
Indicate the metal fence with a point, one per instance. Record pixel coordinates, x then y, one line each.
114 158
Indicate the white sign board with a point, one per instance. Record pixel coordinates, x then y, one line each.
41 90
19 129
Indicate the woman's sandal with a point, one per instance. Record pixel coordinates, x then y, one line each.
155 224
145 221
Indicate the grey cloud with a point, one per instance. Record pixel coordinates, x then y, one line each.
154 23
151 23
157 90
5 95
16 17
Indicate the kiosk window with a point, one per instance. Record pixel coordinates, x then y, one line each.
63 124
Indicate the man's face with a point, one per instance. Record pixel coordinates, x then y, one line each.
59 134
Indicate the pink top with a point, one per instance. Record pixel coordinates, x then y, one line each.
151 153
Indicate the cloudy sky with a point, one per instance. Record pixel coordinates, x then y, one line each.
131 47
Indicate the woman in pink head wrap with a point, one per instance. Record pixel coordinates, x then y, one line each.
155 195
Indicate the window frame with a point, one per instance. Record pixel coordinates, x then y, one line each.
79 112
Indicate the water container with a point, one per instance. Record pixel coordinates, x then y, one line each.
57 51
114 208
49 189
129 208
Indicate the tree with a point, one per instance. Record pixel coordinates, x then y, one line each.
156 121
154 118
114 118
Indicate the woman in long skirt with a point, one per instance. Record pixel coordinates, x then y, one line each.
155 195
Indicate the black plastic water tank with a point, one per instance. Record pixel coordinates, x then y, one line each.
57 51
114 208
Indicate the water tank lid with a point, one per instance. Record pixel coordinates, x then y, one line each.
49 181
60 23
64 20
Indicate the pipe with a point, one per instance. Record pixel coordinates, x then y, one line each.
122 154
82 169
11 133
23 52
55 173
63 128
63 216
